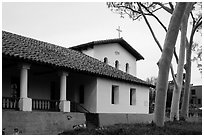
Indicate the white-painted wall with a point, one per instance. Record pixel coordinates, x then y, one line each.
89 52
104 87
111 52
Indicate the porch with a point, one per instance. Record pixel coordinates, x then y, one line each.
10 103
28 86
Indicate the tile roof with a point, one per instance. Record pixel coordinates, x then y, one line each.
120 41
21 47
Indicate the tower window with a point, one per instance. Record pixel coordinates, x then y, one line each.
127 68
117 64
105 60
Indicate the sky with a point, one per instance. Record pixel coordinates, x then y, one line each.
69 24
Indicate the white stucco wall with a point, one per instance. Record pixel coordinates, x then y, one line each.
89 52
104 87
109 50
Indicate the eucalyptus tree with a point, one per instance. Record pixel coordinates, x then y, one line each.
165 61
174 114
134 10
196 25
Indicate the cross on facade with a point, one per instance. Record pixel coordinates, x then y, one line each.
119 30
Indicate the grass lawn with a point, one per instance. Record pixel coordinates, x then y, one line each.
170 128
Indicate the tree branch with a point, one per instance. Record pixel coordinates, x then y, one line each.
164 7
154 17
129 9
171 5
159 45
149 26
192 17
150 12
199 20
197 25
176 57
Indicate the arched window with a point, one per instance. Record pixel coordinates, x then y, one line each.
105 60
127 68
116 64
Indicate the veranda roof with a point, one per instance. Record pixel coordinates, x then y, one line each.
25 48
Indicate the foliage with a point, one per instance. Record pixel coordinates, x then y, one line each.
197 46
132 10
197 56
170 128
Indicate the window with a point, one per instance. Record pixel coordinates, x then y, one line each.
192 91
81 94
199 101
105 60
116 64
132 96
127 68
115 95
191 101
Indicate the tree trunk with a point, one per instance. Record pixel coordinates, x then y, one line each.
185 101
165 61
174 115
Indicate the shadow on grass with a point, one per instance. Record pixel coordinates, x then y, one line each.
170 128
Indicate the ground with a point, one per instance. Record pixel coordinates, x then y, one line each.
170 128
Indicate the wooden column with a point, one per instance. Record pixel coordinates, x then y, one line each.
64 105
25 103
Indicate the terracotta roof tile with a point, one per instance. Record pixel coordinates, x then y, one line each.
34 50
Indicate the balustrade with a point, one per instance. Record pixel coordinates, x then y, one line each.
10 103
37 104
45 105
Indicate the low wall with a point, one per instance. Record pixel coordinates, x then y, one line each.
53 123
106 119
32 123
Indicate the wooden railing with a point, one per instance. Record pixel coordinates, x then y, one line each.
45 105
10 103
77 107
41 105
